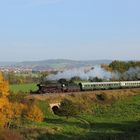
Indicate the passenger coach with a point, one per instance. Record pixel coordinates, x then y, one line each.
108 85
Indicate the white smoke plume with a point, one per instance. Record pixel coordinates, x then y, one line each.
83 73
97 71
131 74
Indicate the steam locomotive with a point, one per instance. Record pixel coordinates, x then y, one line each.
85 86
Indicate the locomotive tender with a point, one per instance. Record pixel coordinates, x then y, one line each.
86 86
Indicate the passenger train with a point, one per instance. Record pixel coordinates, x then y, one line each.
85 86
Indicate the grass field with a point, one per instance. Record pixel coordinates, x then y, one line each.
23 87
119 120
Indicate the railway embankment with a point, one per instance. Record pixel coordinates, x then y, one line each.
101 95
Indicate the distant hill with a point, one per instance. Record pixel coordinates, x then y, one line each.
55 64
2 63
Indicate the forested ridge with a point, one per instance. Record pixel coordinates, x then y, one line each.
121 66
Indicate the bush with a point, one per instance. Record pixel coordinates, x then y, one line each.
6 113
69 108
17 97
33 113
101 97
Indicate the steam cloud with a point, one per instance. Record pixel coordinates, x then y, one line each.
83 73
131 74
97 71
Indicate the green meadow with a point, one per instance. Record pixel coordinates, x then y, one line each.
118 120
23 87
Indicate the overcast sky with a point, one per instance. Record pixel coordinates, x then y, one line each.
69 29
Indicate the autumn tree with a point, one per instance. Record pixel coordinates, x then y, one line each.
123 66
5 106
33 113
16 109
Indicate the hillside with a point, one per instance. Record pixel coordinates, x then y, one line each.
54 64
115 118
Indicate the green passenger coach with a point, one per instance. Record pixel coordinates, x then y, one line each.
108 85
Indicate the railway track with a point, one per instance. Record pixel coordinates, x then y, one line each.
93 91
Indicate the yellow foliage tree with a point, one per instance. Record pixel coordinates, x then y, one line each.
4 86
5 106
14 111
33 113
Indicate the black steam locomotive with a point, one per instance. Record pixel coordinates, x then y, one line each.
57 88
